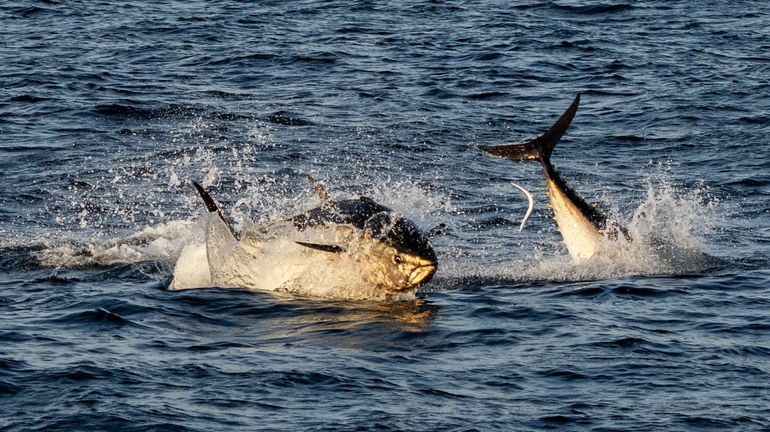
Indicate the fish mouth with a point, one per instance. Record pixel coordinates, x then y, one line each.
422 274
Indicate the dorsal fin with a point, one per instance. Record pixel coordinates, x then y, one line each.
212 206
319 189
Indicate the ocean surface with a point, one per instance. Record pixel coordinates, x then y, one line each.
109 110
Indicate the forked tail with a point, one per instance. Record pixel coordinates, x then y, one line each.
540 148
561 196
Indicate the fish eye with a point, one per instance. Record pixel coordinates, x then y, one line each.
398 259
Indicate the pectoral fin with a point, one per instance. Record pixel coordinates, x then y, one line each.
323 247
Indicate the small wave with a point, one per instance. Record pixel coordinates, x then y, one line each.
754 181
146 113
486 95
638 291
294 378
12 365
559 419
321 58
243 59
29 12
759 119
492 222
226 95
488 56
218 346
483 336
563 374
287 118
630 138
7 388
28 99
607 92
438 92
432 392
595 9
702 422
116 110
752 328
95 316
82 372
55 279
106 312
10 337
592 291
423 147
14 255
356 29
747 351
638 345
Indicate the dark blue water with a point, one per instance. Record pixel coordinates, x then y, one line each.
108 110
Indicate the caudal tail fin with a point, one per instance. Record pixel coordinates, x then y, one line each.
540 148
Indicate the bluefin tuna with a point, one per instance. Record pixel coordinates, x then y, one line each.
351 248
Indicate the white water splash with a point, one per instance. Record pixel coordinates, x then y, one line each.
668 230
161 243
666 237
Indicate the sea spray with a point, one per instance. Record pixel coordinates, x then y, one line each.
667 233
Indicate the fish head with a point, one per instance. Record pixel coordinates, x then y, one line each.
389 250
407 257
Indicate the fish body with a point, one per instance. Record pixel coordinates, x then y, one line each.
342 249
581 231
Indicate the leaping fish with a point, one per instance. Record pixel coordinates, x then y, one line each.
353 248
581 225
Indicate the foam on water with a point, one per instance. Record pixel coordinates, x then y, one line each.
162 243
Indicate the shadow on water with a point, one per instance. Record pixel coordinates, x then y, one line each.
264 318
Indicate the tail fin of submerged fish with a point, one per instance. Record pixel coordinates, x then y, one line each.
580 224
212 206
540 148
